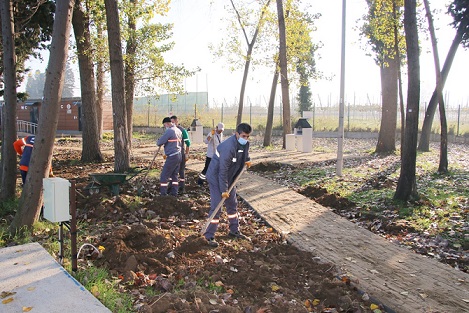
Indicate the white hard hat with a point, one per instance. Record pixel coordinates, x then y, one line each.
221 126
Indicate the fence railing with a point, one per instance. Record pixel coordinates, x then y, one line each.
26 127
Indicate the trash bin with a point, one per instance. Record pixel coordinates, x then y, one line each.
197 132
304 135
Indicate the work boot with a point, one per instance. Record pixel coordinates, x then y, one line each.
238 234
181 191
212 243
200 181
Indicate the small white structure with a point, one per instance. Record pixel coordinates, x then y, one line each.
290 143
56 199
197 132
304 135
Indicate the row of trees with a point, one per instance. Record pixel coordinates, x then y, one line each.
36 81
131 50
120 37
394 41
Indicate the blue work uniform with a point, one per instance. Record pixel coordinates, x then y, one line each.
171 140
226 164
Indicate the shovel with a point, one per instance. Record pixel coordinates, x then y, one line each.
220 204
139 190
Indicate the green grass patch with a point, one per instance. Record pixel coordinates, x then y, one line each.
104 287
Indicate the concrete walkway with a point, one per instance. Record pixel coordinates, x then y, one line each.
32 281
399 278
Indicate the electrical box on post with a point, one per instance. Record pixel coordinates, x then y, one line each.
56 199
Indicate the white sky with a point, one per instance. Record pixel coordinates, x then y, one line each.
197 24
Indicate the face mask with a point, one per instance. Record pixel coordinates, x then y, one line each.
242 141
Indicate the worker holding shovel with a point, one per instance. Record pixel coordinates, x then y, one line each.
228 162
171 140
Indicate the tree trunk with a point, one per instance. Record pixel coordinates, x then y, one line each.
270 109
8 159
387 132
284 71
90 144
121 140
239 117
406 185
424 143
399 72
129 72
31 197
100 87
443 166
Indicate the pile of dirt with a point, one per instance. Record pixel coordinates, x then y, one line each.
152 245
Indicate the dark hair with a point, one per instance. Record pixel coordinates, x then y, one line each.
174 117
166 120
244 128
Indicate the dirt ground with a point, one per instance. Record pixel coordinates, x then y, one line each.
152 246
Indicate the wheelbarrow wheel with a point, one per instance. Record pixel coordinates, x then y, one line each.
92 189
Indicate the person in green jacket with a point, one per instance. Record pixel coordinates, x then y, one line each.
186 143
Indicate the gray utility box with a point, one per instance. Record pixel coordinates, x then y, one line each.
56 199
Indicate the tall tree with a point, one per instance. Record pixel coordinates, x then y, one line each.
406 185
121 138
299 27
90 143
284 71
31 197
443 165
381 28
250 22
459 9
8 176
32 26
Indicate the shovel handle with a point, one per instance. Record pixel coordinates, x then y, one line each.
151 164
220 204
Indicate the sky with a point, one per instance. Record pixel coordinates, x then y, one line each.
200 23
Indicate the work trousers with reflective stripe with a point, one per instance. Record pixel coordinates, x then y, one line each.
182 172
231 204
170 172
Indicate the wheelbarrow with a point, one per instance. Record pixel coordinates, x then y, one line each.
111 180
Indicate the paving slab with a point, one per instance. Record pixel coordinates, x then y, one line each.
32 281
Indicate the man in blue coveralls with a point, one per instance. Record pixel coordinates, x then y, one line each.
227 162
171 140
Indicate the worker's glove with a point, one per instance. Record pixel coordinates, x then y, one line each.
213 132
225 195
164 156
248 164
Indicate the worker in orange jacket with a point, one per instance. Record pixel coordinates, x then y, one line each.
24 148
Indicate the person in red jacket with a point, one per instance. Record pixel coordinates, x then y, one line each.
24 148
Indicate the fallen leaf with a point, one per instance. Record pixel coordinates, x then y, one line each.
308 303
95 291
27 308
316 302
5 294
218 284
7 300
31 288
374 306
275 287
213 301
